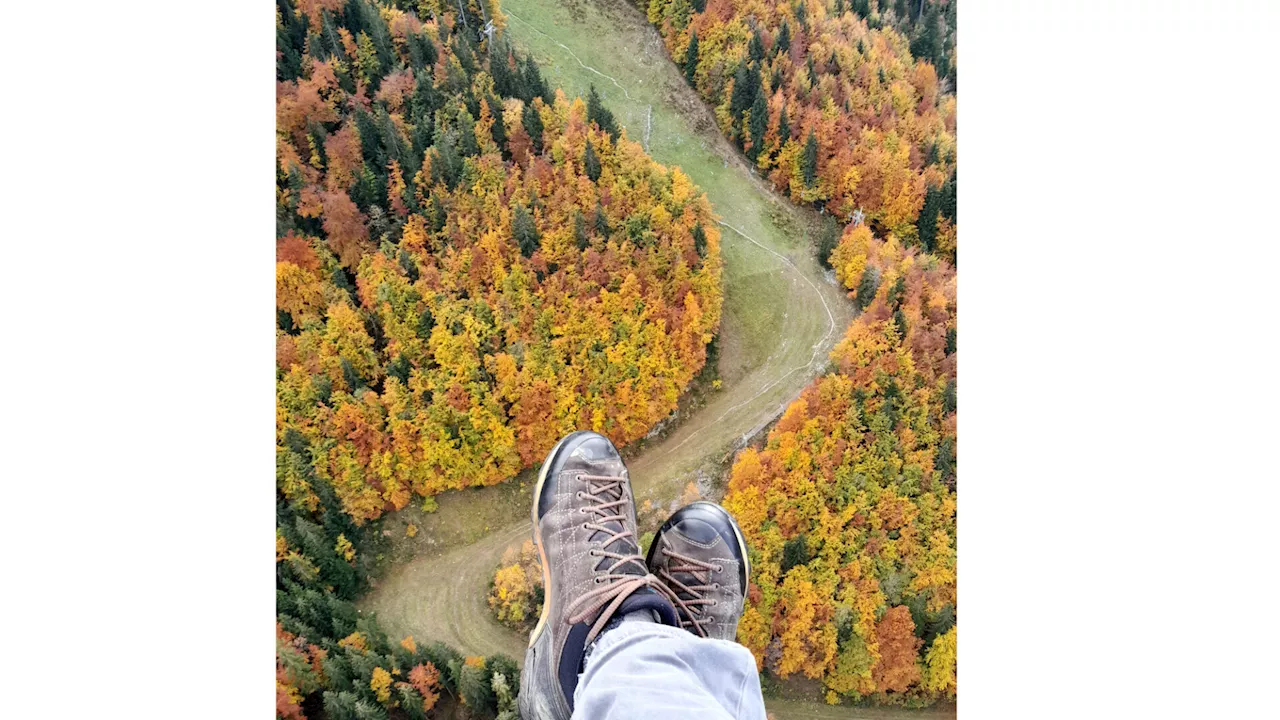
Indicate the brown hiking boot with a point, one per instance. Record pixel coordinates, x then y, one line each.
699 554
584 524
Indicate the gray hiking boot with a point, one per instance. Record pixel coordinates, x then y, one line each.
699 554
584 524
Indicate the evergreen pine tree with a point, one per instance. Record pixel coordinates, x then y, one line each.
410 702
463 51
370 138
949 198
534 84
425 324
691 59
600 115
524 231
466 128
784 127
499 129
601 222
475 689
340 705
392 143
755 47
867 286
399 369
289 64
580 230
439 216
927 45
533 125
516 80
795 552
828 238
700 240
741 99
501 74
591 163
422 52
927 223
783 43
759 123
448 165
367 190
350 376
809 161
284 321
329 35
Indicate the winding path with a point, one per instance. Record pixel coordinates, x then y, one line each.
781 318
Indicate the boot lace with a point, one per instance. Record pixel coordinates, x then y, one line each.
691 598
607 503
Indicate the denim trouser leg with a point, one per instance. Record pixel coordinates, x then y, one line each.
646 671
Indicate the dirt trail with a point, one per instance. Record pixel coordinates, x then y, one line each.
782 316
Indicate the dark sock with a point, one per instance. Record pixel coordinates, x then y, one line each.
641 615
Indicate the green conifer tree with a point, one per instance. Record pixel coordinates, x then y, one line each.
691 60
783 43
524 231
759 123
499 129
600 115
927 222
809 161
601 222
591 163
580 231
533 125
755 47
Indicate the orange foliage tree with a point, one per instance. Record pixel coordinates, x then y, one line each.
830 104
849 509
451 300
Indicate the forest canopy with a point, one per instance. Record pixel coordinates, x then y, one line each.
830 101
468 266
849 510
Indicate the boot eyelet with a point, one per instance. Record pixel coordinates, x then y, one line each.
715 586
578 495
719 568
584 526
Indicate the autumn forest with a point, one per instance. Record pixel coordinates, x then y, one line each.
472 262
